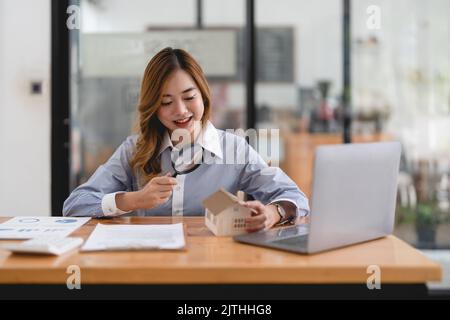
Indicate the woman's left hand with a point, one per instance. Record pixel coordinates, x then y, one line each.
263 217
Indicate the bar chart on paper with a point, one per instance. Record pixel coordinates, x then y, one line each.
33 227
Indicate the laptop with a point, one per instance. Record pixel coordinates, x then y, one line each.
354 198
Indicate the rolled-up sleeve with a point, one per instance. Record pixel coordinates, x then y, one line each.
269 184
113 176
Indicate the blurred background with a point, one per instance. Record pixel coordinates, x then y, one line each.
323 72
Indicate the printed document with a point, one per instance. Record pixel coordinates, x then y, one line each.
136 237
33 227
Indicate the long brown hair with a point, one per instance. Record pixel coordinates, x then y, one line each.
145 162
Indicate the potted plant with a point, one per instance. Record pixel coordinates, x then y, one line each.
426 222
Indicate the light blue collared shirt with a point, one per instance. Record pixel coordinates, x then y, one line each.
253 176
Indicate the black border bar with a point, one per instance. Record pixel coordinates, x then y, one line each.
60 113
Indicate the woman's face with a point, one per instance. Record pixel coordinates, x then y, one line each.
182 103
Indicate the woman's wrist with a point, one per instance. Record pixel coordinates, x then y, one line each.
274 213
127 201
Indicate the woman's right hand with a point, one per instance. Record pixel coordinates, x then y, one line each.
157 191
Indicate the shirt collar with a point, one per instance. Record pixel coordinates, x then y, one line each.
208 139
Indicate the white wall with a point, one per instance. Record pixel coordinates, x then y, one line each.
24 119
135 15
318 36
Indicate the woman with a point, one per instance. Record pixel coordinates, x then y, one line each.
138 177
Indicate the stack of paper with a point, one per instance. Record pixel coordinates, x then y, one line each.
135 237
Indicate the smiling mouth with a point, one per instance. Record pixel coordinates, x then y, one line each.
184 120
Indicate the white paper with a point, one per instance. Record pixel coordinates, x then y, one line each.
32 227
135 237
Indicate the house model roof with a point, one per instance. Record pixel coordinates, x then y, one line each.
219 201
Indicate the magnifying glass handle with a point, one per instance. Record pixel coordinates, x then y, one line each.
171 174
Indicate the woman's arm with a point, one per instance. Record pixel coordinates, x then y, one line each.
113 176
157 191
270 184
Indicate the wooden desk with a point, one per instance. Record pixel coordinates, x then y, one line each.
220 260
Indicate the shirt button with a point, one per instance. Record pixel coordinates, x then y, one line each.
177 188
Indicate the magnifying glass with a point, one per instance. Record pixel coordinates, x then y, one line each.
186 159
